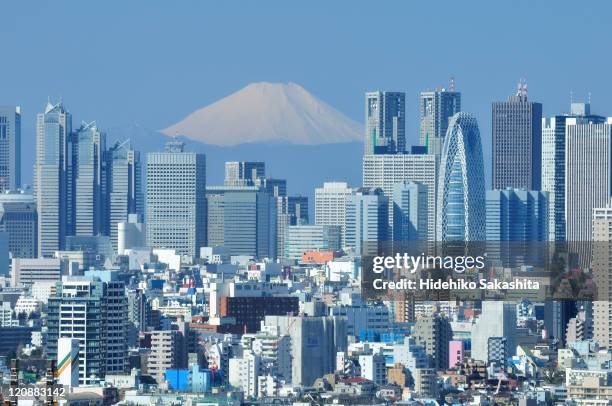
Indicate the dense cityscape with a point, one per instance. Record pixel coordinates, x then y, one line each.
126 278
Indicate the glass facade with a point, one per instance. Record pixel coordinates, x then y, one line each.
461 190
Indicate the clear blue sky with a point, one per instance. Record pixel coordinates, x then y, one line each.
151 63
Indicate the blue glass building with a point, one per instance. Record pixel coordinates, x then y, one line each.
461 190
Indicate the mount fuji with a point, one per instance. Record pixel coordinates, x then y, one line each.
267 113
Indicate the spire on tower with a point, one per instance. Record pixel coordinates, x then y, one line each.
522 88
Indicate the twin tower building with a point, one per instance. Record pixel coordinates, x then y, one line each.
444 198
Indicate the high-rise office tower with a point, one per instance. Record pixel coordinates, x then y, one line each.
53 178
243 220
176 200
18 218
385 122
517 215
461 190
517 142
330 205
588 174
89 193
409 211
95 313
124 186
10 148
602 307
290 211
385 171
366 219
436 109
516 221
553 164
243 173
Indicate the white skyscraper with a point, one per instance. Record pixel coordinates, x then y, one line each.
553 163
385 171
89 193
176 200
330 205
588 160
52 178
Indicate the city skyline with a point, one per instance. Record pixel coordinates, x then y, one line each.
149 92
341 203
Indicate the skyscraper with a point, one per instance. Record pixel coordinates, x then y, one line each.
461 190
436 109
553 164
89 180
124 187
291 211
243 220
366 219
385 122
588 163
517 142
385 171
516 215
10 148
53 177
330 205
176 200
409 211
516 221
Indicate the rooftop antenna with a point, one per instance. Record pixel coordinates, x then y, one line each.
522 88
571 96
589 97
452 84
